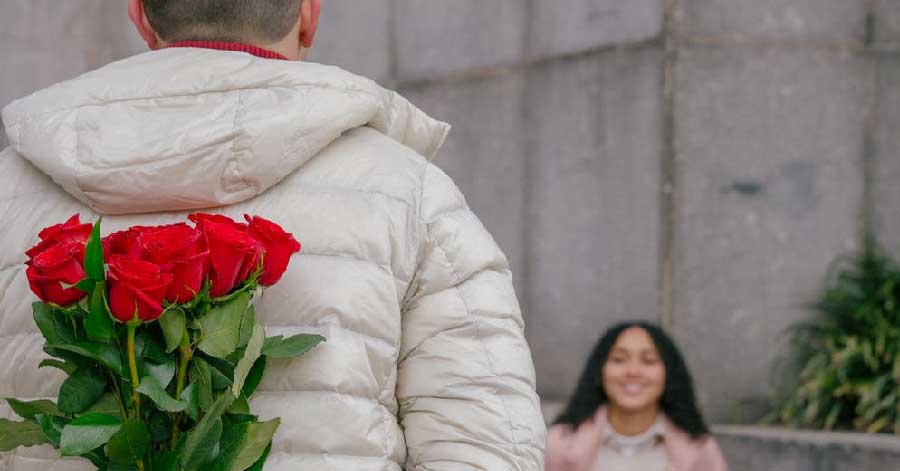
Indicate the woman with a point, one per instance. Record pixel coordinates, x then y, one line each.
633 410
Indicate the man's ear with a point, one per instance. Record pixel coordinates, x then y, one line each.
142 24
309 21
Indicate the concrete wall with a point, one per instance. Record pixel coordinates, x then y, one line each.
694 162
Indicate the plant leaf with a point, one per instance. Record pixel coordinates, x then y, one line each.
167 461
190 396
254 377
200 373
202 441
87 433
258 466
16 434
93 254
52 324
172 324
221 327
67 367
52 427
130 443
164 372
81 390
279 347
99 324
151 388
242 445
28 409
106 355
107 404
251 354
248 323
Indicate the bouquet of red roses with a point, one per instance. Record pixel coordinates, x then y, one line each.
155 328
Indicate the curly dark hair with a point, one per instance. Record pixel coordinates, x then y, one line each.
678 400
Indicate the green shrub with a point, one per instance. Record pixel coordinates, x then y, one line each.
846 361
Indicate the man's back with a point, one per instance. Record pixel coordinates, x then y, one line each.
412 294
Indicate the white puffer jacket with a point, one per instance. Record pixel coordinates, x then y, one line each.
425 367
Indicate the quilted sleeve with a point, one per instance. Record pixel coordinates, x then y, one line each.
466 382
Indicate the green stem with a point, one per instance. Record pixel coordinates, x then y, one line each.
186 354
132 365
118 392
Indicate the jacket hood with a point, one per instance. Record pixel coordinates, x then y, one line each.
181 129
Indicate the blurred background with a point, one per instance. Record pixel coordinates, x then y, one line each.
698 163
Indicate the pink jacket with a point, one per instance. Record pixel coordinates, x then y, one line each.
569 450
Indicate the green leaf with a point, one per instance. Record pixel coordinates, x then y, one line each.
93 254
87 433
200 373
56 328
151 388
87 285
279 347
107 404
164 373
219 380
106 355
167 461
99 324
147 346
255 443
254 377
221 327
69 368
173 325
130 443
258 466
160 425
203 439
240 406
247 325
52 427
16 434
190 397
243 444
251 354
202 445
81 390
28 409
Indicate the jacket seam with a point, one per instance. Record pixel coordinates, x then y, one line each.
26 118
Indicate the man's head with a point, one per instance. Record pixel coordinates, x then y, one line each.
287 26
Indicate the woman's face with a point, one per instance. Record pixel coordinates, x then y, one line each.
634 375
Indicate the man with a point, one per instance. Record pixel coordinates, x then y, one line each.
425 367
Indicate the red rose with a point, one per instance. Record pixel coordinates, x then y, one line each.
233 254
125 243
202 218
48 270
71 230
136 286
177 249
278 246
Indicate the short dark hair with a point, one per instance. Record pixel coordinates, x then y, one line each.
678 401
222 20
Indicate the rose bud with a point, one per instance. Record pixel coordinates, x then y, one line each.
136 286
278 247
233 254
49 271
71 230
177 249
